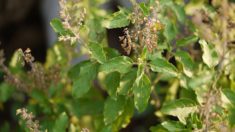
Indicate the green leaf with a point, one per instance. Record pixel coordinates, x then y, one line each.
61 123
210 56
170 30
113 109
55 89
117 20
120 64
17 59
144 54
152 2
73 72
179 12
122 107
57 55
145 9
174 126
99 125
166 2
228 96
82 84
200 80
163 66
47 124
5 92
111 83
107 129
180 108
158 128
141 90
111 53
5 127
57 25
96 31
88 106
39 96
42 100
124 119
127 82
231 116
195 120
177 9
185 59
188 93
187 40
97 52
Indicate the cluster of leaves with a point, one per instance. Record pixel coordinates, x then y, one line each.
185 73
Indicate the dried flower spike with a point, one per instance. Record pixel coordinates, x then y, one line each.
28 56
126 41
71 20
85 130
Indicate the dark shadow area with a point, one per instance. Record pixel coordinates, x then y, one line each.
21 26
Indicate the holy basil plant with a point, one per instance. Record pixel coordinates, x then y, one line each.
171 70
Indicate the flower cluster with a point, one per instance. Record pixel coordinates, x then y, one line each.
9 77
73 17
32 124
144 32
40 77
37 76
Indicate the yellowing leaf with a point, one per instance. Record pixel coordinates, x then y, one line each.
141 90
163 66
185 59
180 108
210 56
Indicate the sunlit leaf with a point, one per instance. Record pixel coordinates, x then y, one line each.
61 123
120 64
117 20
57 25
200 80
228 97
141 90
210 56
97 52
174 126
144 8
163 66
180 108
185 59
